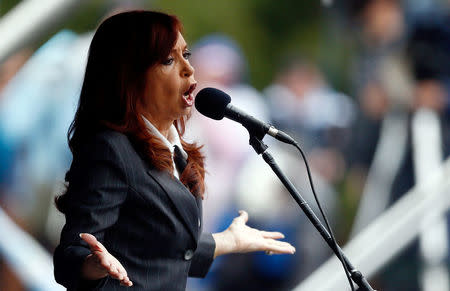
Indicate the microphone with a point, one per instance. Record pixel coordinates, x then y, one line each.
215 104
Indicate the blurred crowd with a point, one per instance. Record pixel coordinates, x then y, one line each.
401 68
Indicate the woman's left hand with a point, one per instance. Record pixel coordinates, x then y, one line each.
240 238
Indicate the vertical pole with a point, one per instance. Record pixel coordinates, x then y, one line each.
427 158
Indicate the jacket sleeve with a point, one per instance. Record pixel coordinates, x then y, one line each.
97 188
203 256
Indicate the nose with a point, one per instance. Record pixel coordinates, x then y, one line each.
188 70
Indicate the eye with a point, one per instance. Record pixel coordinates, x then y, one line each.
187 55
168 62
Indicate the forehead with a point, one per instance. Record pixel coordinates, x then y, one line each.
180 43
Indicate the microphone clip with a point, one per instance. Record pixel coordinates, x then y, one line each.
257 144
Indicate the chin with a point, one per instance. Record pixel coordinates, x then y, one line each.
187 111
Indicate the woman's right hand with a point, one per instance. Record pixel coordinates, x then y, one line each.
100 263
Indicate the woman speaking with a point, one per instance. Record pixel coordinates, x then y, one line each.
133 204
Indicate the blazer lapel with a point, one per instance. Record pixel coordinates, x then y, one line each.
180 196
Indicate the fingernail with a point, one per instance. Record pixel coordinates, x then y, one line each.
81 235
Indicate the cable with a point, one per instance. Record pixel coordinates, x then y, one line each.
339 254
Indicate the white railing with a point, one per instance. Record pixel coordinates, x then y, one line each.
389 155
32 264
29 20
386 236
433 241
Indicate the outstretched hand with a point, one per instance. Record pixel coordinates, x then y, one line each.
240 238
100 263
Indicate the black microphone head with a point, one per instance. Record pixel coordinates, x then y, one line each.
212 102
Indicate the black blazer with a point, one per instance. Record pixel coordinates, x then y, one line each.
144 217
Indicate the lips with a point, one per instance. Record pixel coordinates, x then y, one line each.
187 95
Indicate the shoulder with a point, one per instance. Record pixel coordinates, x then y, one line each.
105 148
111 137
106 144
108 139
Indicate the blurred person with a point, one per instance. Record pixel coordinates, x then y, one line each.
429 50
374 104
12 65
31 123
135 186
220 63
426 52
304 105
404 273
379 138
34 113
7 71
381 32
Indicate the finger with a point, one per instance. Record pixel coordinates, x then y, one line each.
93 243
278 247
109 266
112 266
243 217
114 273
126 282
119 266
280 251
278 243
117 270
272 234
122 271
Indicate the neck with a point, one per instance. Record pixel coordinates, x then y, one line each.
163 126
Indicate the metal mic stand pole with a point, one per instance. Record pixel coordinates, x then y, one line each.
261 148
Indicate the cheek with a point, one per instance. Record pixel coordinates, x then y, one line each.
149 93
172 87
163 86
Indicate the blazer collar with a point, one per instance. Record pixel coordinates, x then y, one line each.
172 140
181 197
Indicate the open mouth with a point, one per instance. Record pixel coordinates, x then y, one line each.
188 97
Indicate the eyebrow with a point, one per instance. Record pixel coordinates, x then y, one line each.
185 47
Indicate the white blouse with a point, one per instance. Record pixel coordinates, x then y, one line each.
172 140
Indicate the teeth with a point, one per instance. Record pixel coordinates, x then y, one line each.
189 92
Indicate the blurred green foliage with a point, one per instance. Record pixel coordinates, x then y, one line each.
268 31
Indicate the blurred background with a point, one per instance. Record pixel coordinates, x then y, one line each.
363 85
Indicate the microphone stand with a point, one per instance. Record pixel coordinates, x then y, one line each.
258 145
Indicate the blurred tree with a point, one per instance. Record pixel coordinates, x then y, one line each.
265 29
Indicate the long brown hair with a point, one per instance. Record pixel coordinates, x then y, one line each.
124 47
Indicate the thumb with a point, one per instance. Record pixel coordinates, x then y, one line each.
93 243
243 217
